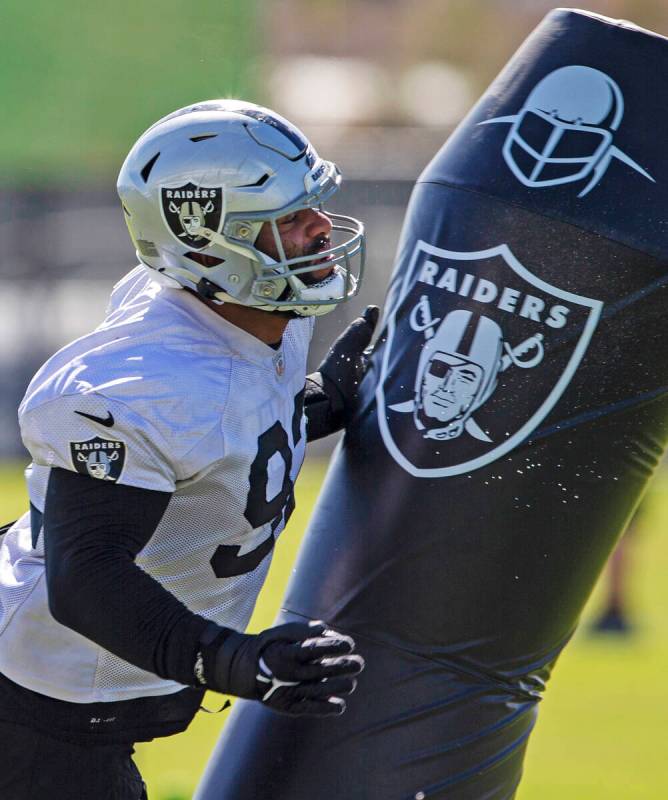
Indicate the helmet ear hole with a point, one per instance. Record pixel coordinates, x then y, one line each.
203 259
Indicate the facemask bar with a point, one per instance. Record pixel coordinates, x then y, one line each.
545 158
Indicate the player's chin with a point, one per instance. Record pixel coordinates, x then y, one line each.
318 275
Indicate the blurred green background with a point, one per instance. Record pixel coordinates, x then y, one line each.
378 85
601 732
80 81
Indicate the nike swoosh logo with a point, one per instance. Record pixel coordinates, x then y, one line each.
107 421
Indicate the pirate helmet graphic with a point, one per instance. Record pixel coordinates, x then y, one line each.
456 374
192 216
98 464
564 132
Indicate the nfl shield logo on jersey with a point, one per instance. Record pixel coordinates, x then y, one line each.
186 209
98 458
479 351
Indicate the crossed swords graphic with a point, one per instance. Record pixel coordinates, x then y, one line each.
513 355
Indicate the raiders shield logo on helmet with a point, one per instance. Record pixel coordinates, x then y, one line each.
189 208
479 350
98 458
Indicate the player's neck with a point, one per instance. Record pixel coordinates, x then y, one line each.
266 326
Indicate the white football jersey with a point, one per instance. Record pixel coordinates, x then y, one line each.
163 395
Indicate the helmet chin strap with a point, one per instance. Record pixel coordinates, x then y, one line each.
300 311
224 298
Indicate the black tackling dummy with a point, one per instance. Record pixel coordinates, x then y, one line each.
513 412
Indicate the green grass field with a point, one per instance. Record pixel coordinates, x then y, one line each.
602 729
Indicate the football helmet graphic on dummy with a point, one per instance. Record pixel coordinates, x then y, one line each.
198 186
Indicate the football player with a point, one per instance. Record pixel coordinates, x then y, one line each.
165 447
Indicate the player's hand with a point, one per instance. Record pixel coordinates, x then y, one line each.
309 675
297 668
346 362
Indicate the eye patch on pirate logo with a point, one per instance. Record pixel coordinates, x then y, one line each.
98 458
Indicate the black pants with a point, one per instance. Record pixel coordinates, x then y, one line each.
55 750
34 766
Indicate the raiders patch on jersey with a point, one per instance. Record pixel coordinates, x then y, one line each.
98 458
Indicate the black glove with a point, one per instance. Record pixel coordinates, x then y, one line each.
331 392
297 668
346 362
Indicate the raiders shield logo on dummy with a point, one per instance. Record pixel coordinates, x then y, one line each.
98 458
186 209
482 328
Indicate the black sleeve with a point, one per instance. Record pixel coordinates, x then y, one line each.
324 415
92 532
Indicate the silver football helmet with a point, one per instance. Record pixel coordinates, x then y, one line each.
198 186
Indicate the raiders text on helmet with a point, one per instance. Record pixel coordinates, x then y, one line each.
197 188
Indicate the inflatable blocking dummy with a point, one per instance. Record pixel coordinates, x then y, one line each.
515 408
